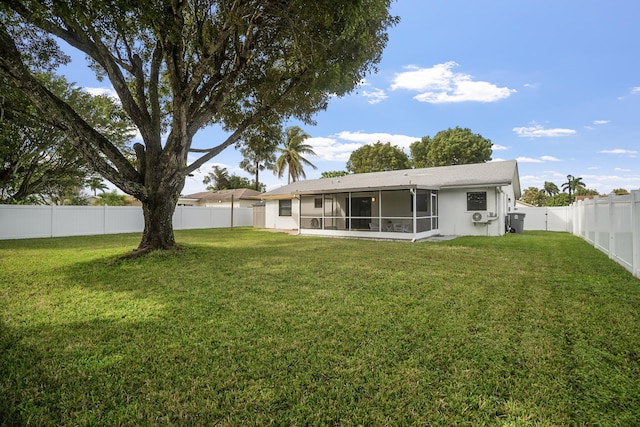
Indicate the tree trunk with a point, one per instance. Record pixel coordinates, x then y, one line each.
158 224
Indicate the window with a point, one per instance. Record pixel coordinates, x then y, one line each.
477 201
284 207
318 203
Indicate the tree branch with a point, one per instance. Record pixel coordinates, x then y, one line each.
87 140
76 36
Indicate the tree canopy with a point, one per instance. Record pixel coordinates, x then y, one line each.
550 195
37 162
220 179
178 66
259 153
456 146
378 157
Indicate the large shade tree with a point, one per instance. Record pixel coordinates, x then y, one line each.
180 65
457 146
378 157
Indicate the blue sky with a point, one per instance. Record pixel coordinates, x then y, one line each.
553 84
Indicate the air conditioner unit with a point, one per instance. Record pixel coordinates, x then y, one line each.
479 217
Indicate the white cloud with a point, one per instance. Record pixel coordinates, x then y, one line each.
549 159
338 147
630 153
528 160
537 131
621 170
330 149
541 159
497 147
402 141
440 84
108 91
635 90
376 96
601 122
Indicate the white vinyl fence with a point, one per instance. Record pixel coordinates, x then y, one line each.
27 221
611 224
547 218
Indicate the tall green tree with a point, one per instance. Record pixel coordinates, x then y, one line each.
112 198
218 179
378 157
96 183
575 183
550 188
259 152
178 66
456 146
572 186
37 161
534 196
291 158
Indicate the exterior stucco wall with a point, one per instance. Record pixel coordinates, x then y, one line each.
274 220
455 218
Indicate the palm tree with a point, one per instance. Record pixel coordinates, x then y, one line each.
291 155
255 161
551 189
259 150
219 179
573 183
95 183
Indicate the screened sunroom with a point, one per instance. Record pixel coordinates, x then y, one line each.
401 213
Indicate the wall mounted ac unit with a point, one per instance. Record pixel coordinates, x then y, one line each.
479 217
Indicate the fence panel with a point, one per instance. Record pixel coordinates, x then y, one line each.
546 218
24 222
612 225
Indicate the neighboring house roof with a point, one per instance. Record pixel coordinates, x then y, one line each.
474 175
223 195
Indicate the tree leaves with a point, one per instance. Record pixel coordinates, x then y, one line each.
456 146
377 158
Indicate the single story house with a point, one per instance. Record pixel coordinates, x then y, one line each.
242 198
408 204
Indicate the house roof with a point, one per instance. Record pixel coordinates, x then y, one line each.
223 195
474 175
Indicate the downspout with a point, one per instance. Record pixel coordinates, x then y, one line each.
499 211
414 220
295 197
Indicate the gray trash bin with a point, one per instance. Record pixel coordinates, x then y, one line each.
515 222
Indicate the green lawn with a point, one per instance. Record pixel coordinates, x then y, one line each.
247 327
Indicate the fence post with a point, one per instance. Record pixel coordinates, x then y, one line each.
231 210
104 219
612 231
635 231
